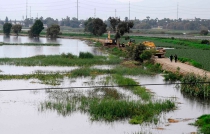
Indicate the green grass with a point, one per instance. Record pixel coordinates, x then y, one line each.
203 123
60 60
198 54
110 105
198 57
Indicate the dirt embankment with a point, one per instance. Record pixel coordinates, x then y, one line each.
183 68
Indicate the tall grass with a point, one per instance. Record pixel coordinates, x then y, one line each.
195 87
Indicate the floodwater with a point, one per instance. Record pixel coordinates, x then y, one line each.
72 46
20 110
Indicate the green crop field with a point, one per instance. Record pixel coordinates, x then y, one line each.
191 49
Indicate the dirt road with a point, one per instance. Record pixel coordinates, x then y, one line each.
184 68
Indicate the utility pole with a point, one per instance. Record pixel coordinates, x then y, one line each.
177 11
26 8
77 10
129 10
94 12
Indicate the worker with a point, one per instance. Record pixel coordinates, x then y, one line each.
175 58
171 58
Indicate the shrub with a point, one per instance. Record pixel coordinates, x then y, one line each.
85 55
146 55
205 42
204 32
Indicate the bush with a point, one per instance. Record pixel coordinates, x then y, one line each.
204 32
146 55
68 55
85 55
204 42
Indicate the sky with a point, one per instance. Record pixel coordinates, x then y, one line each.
133 9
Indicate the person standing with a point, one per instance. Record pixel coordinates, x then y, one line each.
175 58
171 58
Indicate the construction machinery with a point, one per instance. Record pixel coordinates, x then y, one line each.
108 41
159 52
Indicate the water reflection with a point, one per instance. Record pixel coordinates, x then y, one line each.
73 46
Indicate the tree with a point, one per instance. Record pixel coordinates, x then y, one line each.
6 20
114 22
204 32
17 28
95 26
7 28
53 31
36 29
122 28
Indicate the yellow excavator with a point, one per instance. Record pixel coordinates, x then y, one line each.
108 41
159 52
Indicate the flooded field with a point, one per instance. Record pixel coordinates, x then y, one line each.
24 111
19 51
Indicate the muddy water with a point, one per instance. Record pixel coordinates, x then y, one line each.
19 111
187 111
73 46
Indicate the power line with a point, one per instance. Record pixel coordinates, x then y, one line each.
62 88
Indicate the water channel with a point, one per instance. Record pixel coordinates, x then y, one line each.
20 111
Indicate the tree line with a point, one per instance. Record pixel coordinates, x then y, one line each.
52 32
147 23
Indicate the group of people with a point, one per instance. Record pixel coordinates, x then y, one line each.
175 58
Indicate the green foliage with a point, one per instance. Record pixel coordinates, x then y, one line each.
114 22
123 27
156 68
17 29
204 32
98 44
86 55
135 51
203 123
58 60
195 86
146 55
96 26
192 62
68 55
205 42
169 76
53 31
7 28
36 29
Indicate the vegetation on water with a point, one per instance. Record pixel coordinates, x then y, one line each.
109 104
203 122
196 86
62 60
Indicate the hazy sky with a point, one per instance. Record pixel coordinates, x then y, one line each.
187 9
